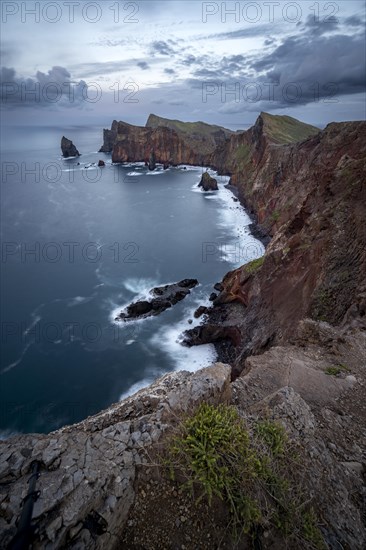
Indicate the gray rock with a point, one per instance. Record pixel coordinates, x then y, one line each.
88 470
68 148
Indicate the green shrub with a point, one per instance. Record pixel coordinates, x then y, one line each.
248 467
253 266
334 371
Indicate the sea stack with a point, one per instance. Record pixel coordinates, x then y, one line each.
152 161
68 148
208 183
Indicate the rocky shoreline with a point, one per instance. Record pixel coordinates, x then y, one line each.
292 329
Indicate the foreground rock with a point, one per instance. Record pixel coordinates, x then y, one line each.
208 183
163 297
88 470
68 148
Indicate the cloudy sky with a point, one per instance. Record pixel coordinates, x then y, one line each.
222 62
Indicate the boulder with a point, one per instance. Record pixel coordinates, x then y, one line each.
101 163
68 148
208 183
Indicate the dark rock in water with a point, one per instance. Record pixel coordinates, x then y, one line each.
190 321
208 334
163 297
200 311
68 148
152 161
101 163
219 287
166 165
139 308
213 296
208 183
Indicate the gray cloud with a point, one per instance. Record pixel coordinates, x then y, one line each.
143 65
334 65
317 27
53 89
161 47
355 21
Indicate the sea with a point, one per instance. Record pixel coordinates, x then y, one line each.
78 244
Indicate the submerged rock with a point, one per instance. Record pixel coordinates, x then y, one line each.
68 148
163 297
208 183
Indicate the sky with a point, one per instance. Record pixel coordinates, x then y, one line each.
81 62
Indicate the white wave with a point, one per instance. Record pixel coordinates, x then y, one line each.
36 319
169 339
140 286
134 174
133 164
190 168
77 300
139 386
19 360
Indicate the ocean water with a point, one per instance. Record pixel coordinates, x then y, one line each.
78 244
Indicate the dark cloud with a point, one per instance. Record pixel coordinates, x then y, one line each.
317 26
143 65
53 89
355 21
325 67
162 48
169 71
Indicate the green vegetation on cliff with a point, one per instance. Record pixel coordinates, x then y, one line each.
284 129
196 128
248 467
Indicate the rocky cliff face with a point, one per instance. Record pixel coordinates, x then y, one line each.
171 142
311 198
197 143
